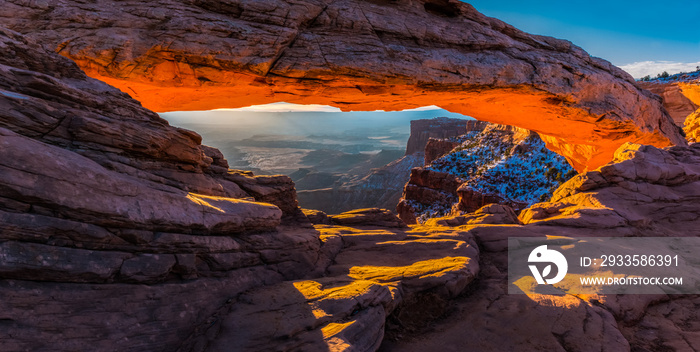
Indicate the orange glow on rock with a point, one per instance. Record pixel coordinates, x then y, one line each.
586 140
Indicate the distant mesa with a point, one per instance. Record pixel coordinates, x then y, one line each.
439 128
383 186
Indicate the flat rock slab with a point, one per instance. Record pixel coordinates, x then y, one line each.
376 271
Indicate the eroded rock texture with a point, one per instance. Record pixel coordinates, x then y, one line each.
681 97
118 231
644 189
440 128
360 55
678 105
644 192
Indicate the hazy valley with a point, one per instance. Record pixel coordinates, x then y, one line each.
334 158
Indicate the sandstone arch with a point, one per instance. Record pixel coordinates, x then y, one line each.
354 54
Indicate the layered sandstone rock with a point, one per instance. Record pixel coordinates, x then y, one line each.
500 164
119 230
644 192
471 200
489 214
662 185
439 128
692 127
676 103
681 97
374 273
427 191
369 217
359 55
436 148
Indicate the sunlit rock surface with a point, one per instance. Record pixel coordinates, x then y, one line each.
644 188
645 192
357 55
681 97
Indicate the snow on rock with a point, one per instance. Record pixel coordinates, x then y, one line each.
502 164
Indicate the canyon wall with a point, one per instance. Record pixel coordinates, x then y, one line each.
498 164
383 187
681 97
356 55
438 128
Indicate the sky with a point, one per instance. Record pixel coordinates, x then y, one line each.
287 107
642 37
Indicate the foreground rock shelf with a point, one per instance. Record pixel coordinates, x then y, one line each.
359 55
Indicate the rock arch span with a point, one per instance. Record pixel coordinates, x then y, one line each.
356 55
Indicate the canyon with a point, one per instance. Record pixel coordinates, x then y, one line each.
120 231
383 186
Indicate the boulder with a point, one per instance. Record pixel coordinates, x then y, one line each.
645 190
489 214
367 217
317 217
471 200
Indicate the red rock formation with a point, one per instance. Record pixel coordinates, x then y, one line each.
435 148
691 90
668 179
426 188
681 97
645 192
367 217
471 200
356 55
677 104
502 164
441 127
117 229
489 214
